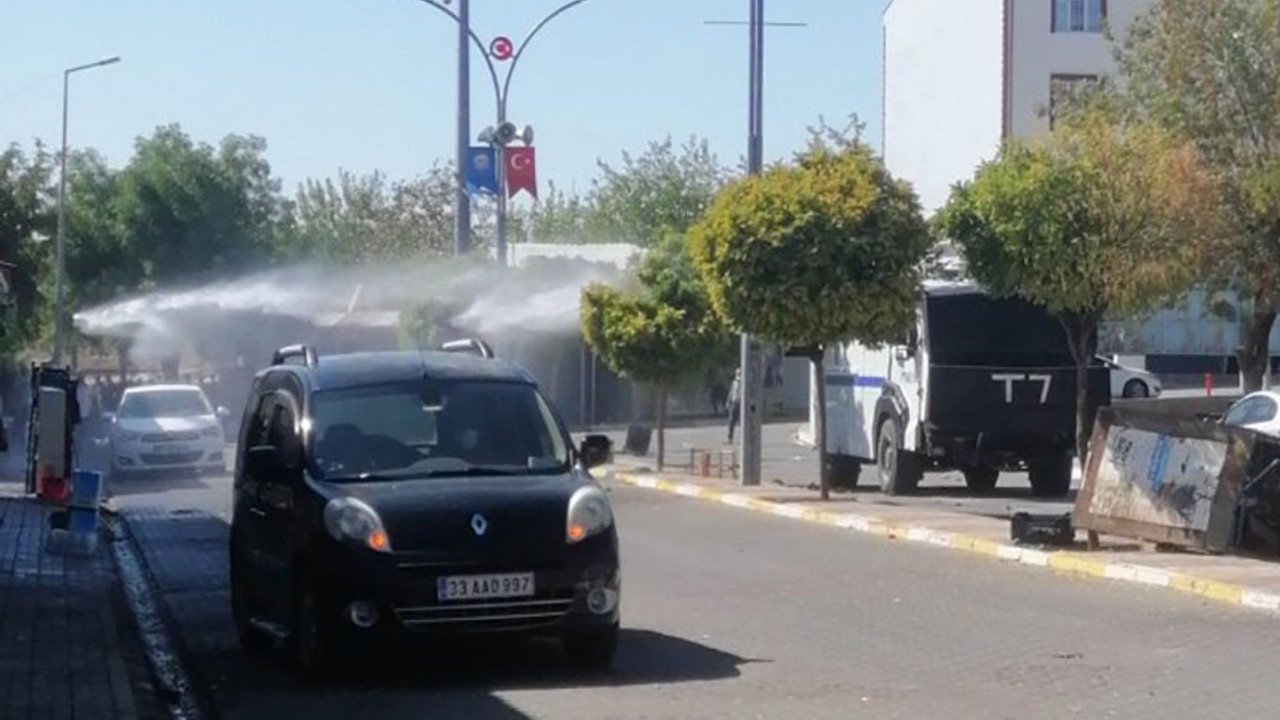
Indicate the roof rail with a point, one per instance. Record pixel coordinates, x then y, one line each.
284 354
474 346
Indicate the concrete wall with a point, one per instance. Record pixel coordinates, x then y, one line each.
943 90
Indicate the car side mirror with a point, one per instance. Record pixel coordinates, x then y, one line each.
265 461
596 450
110 417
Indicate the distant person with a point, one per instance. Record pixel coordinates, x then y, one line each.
735 402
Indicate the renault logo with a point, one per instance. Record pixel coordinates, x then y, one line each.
479 524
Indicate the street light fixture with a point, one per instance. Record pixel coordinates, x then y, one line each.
59 320
501 89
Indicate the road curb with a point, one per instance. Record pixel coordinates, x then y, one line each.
1060 561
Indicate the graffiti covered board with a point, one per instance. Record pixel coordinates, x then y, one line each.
1162 478
1156 478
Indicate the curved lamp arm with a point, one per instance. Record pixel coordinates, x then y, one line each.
515 59
498 91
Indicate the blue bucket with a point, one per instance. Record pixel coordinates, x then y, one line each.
82 521
86 489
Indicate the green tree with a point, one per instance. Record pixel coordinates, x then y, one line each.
191 211
371 219
1211 71
26 218
659 334
663 190
822 250
1098 218
561 217
102 262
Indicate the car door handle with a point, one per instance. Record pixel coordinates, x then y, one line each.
258 511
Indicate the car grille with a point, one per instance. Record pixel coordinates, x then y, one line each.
487 615
177 436
182 459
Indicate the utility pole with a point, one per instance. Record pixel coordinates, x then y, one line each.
752 378
462 202
750 352
60 271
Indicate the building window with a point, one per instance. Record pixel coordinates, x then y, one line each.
1063 89
1078 16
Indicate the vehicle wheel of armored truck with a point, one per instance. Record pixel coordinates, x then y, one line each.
980 478
843 471
899 470
1051 476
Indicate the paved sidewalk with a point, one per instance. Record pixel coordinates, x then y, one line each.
1237 580
69 648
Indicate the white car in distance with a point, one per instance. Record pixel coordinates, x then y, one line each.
1130 382
166 428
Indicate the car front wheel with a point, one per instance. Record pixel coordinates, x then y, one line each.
1136 389
592 649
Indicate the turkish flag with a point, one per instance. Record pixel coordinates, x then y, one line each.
521 171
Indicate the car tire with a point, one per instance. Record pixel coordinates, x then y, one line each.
1051 477
591 650
1136 389
312 635
898 469
251 640
981 478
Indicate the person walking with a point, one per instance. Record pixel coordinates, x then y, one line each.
735 402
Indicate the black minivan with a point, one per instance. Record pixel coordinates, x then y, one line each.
383 497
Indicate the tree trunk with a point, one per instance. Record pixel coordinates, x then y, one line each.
816 357
662 428
1081 338
1254 352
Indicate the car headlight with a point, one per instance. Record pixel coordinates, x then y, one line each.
212 431
350 520
127 436
589 514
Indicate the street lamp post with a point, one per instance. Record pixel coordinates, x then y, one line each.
59 320
501 89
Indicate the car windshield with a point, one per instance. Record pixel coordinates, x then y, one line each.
1250 411
164 403
398 430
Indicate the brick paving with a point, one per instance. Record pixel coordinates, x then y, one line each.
68 646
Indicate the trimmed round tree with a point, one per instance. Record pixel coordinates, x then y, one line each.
1102 218
825 249
662 332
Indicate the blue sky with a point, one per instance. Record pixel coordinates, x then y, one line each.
370 84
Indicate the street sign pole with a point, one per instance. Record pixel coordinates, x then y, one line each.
752 410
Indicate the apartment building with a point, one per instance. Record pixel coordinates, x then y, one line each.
960 76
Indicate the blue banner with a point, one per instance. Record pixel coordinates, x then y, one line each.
482 170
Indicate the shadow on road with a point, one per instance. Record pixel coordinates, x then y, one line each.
184 552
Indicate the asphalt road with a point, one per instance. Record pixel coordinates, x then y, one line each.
730 614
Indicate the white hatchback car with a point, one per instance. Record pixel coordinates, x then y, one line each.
166 427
